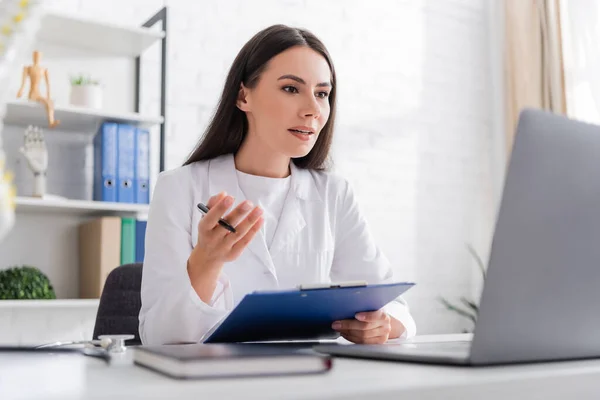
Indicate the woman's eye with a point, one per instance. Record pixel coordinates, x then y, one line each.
290 89
322 95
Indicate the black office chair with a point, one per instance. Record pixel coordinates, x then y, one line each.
120 303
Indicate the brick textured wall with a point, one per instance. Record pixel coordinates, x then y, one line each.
415 119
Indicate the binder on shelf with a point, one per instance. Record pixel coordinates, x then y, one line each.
140 238
126 163
99 254
105 163
127 240
141 181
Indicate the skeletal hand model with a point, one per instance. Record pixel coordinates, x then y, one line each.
35 152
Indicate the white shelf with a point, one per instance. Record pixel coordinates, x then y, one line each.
56 303
25 112
98 37
78 207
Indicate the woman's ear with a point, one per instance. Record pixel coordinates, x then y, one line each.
242 99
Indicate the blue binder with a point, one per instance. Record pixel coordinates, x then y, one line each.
105 163
140 240
126 164
304 314
141 181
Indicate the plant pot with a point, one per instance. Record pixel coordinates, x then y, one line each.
86 96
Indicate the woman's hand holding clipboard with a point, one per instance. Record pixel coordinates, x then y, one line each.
309 314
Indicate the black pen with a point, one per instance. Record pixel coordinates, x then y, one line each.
204 209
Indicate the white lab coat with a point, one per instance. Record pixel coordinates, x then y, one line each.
321 237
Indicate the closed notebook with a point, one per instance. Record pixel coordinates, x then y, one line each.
193 361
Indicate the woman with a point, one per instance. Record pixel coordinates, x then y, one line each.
264 156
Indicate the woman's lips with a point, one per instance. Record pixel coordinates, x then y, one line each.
302 136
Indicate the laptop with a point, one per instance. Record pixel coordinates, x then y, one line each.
542 290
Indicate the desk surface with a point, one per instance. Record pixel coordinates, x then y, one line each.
73 376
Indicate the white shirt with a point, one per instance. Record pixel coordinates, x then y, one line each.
321 237
270 195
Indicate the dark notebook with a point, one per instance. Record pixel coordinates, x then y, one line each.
229 360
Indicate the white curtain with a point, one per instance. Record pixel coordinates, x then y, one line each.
534 73
581 30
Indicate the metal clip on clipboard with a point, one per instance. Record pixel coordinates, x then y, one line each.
318 286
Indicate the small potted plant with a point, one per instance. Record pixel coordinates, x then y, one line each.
25 283
467 308
85 92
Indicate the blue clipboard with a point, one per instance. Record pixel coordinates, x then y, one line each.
303 314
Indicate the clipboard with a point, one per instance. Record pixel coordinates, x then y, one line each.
303 314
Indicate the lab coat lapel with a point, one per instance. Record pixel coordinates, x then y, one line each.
292 221
223 177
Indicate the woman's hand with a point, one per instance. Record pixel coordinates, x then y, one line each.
374 327
216 245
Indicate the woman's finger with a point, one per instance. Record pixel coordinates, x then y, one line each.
233 219
241 244
215 199
238 213
367 334
352 324
371 316
245 226
211 219
360 340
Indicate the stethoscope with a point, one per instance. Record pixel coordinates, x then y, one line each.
111 348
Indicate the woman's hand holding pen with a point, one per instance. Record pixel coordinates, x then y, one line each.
217 245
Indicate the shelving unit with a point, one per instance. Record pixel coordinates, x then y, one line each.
49 225
98 37
55 303
78 207
73 118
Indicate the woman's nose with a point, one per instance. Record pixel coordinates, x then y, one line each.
311 108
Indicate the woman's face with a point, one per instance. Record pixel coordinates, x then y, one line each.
289 106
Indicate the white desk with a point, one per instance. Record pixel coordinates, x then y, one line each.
73 376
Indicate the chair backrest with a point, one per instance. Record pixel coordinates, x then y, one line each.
120 303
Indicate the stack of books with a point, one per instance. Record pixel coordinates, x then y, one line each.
122 175
104 244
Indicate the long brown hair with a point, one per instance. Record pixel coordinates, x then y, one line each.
229 124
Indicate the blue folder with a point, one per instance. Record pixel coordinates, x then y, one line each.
140 240
105 163
303 314
141 180
126 163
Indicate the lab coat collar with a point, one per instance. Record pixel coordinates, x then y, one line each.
222 176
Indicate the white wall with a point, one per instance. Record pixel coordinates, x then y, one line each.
415 123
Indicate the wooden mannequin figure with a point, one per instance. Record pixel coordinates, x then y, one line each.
35 73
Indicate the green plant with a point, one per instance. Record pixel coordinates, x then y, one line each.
467 308
25 282
82 80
